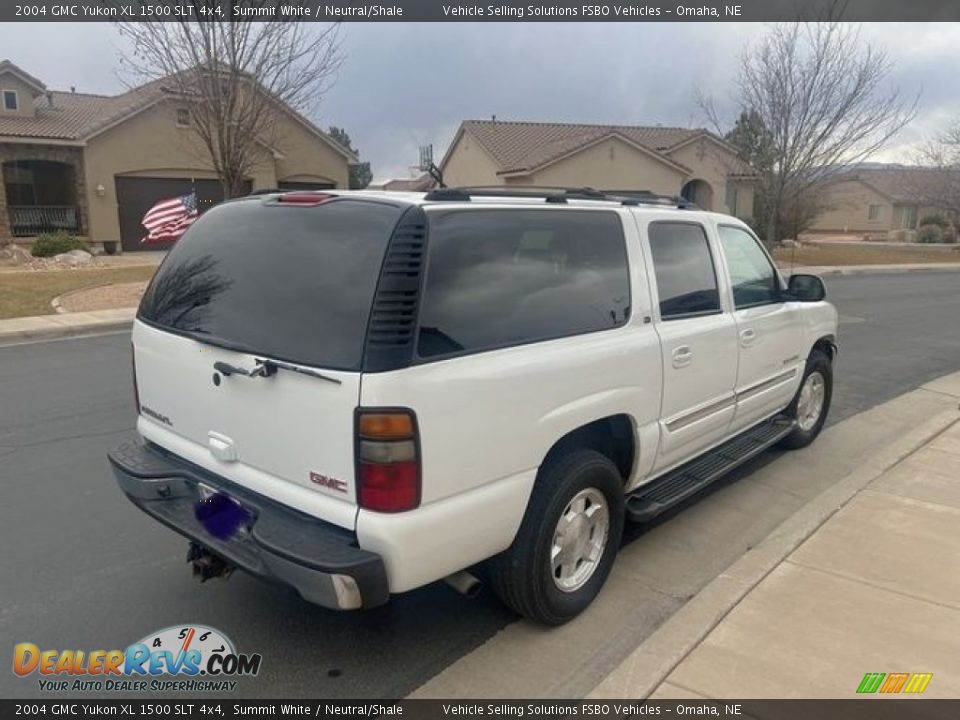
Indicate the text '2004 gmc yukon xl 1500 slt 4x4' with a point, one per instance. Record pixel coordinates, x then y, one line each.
359 393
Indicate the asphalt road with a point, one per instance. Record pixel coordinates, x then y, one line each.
82 568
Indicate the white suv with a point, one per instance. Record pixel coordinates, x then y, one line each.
359 393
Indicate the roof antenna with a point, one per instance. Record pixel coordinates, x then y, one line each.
427 166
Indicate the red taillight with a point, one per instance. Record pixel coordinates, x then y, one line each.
136 390
305 198
388 460
389 488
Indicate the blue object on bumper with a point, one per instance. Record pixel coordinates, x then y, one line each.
321 561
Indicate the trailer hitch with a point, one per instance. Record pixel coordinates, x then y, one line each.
206 565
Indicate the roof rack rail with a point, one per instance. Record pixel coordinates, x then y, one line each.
559 195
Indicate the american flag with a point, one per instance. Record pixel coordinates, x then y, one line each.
169 219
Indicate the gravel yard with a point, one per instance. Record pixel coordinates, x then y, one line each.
104 297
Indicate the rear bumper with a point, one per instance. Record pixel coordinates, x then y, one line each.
321 561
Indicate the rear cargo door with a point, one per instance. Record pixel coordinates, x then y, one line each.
249 342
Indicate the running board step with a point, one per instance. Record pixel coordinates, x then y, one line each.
653 498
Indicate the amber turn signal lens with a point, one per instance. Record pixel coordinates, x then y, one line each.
380 426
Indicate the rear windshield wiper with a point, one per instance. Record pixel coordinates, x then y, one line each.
268 368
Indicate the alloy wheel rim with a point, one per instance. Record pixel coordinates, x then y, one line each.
810 402
579 540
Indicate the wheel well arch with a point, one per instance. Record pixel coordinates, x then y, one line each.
613 436
828 345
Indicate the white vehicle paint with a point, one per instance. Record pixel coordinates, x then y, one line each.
484 420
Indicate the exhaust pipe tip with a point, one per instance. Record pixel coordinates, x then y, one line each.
464 583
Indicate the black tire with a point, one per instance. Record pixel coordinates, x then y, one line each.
818 362
522 576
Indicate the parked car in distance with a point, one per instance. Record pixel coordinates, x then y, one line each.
357 393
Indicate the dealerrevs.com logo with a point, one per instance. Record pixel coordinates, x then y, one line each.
188 658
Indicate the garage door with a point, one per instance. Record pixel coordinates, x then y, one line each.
136 195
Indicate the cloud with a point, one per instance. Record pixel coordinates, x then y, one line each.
406 84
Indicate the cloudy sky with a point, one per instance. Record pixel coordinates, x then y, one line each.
403 84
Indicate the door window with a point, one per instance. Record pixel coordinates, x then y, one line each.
752 275
686 278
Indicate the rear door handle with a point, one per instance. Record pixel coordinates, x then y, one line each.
682 356
747 337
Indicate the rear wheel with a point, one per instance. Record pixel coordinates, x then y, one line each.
812 402
567 541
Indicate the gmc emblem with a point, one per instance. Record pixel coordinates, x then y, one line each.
328 482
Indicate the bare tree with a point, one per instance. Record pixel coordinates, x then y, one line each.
937 186
817 91
235 75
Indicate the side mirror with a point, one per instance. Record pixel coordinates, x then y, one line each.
806 288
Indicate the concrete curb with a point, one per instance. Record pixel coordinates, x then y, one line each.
639 675
874 269
64 325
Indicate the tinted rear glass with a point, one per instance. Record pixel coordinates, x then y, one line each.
286 282
497 278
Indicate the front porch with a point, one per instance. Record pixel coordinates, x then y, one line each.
43 192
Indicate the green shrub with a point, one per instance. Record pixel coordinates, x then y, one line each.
52 244
929 234
949 234
939 220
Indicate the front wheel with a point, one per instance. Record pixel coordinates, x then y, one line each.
567 541
812 402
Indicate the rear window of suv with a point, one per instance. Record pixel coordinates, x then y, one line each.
497 278
288 282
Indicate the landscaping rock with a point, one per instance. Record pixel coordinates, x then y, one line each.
15 255
73 258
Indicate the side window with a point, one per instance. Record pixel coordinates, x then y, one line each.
10 100
686 279
497 278
752 275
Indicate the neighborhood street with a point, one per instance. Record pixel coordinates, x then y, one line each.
85 569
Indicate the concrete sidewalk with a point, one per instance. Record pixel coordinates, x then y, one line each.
862 580
50 327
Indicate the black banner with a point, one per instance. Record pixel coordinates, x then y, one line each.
205 708
466 11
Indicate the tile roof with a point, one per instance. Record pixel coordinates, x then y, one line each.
74 116
527 145
7 66
900 183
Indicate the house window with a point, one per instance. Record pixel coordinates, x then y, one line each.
873 212
10 100
910 217
732 197
183 117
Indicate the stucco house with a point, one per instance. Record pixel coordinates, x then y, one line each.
877 200
693 163
92 165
